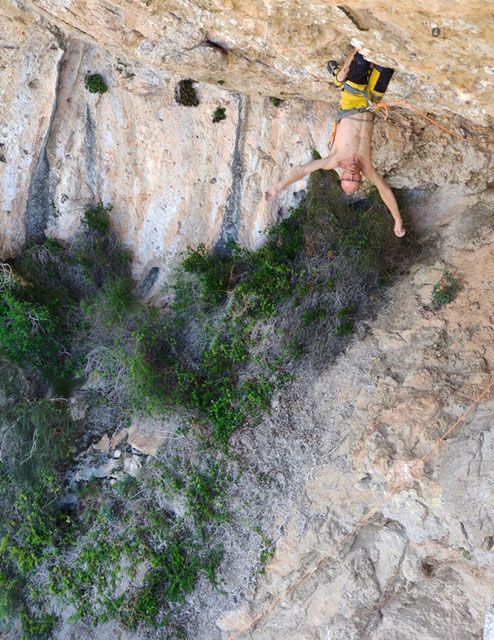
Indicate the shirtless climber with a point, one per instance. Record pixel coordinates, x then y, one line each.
363 86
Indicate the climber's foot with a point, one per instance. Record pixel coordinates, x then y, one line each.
332 66
335 71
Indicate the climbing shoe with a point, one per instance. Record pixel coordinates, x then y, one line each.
333 70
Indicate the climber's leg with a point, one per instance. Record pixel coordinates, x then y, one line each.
340 73
357 78
378 82
358 71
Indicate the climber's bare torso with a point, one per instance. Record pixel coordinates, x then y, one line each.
353 139
350 151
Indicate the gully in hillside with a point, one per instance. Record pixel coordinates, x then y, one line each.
363 87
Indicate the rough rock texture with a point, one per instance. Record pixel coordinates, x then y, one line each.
391 535
172 176
281 47
383 526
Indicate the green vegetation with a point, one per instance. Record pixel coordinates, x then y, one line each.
185 94
446 290
276 102
219 114
94 83
465 553
266 552
71 323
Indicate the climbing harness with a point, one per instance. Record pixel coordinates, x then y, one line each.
384 107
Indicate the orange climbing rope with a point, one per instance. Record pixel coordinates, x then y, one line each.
385 106
453 426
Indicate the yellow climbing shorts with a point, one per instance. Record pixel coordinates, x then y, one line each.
351 101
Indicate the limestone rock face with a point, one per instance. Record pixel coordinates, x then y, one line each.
173 177
281 46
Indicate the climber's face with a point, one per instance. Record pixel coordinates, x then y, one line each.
350 180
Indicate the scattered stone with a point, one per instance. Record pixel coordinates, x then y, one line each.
119 437
78 408
103 445
88 473
489 624
132 466
147 435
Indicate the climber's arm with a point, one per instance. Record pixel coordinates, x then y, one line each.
299 172
387 197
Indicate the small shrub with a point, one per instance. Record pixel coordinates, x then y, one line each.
175 572
26 328
266 552
118 299
214 273
344 324
446 290
94 83
219 114
185 94
465 553
205 494
312 315
97 218
276 102
37 627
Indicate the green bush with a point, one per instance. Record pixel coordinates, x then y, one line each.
26 328
98 218
446 290
219 114
176 570
344 325
94 83
214 272
185 94
37 627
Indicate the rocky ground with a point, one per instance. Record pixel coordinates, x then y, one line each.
391 533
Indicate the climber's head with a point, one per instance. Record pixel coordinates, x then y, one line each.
351 178
351 185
